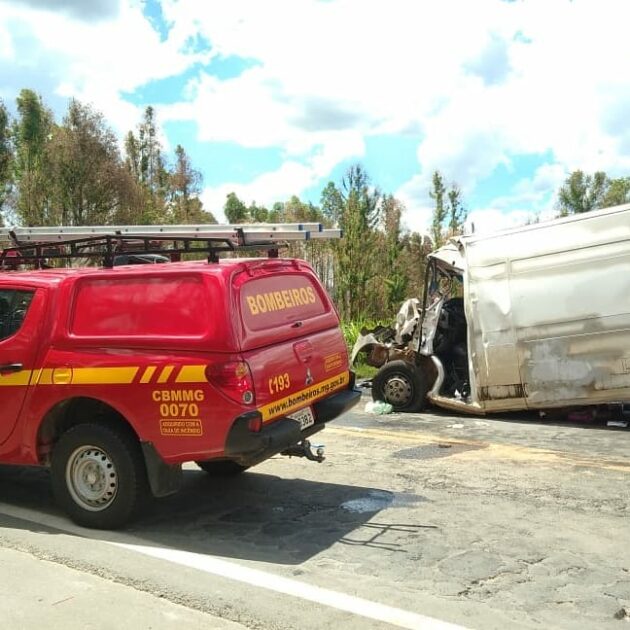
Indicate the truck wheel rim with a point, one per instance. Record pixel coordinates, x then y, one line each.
398 390
91 478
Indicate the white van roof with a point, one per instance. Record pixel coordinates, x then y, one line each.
607 225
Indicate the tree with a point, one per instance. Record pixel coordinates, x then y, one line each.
84 162
6 156
358 214
132 155
296 211
449 213
332 203
456 211
396 280
258 214
31 132
184 189
151 163
582 193
618 192
413 260
145 163
235 210
439 212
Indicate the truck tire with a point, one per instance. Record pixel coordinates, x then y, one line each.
222 468
402 385
98 475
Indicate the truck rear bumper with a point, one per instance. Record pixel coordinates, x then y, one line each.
249 448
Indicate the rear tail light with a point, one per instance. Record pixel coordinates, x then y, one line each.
234 379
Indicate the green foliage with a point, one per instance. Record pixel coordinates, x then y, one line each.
235 210
31 170
72 173
449 213
439 213
582 193
358 212
183 204
84 163
618 192
351 330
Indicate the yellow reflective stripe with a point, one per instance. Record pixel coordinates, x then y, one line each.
66 375
104 376
304 397
148 373
22 377
166 372
192 374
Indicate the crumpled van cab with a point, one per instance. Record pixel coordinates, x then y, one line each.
531 318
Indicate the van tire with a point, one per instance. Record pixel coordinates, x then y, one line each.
402 385
98 475
221 468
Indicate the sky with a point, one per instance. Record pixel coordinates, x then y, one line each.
277 98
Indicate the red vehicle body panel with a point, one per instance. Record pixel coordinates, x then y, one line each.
140 340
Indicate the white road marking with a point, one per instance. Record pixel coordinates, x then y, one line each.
233 571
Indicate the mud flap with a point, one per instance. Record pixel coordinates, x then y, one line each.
164 479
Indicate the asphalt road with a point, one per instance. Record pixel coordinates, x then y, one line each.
413 520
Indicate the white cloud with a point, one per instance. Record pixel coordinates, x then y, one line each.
92 61
482 81
264 190
286 181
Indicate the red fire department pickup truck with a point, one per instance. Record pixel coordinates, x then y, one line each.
114 376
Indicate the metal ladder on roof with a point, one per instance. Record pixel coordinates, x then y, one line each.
239 235
38 245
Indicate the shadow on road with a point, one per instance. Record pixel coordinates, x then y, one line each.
256 516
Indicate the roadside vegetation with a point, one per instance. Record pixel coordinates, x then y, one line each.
77 172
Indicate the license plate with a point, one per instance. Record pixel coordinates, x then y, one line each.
305 417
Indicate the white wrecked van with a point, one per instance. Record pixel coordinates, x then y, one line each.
529 318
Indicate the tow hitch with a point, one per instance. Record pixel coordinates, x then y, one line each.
305 449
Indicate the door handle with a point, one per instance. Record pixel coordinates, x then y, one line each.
10 367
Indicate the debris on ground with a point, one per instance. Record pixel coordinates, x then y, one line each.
378 407
623 424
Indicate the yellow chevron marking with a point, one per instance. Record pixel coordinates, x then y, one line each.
35 376
148 373
166 372
192 374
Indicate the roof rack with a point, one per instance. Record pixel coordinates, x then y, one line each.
36 245
255 232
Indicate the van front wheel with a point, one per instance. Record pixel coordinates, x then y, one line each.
402 385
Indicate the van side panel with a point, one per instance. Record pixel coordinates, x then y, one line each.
572 314
568 291
496 379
